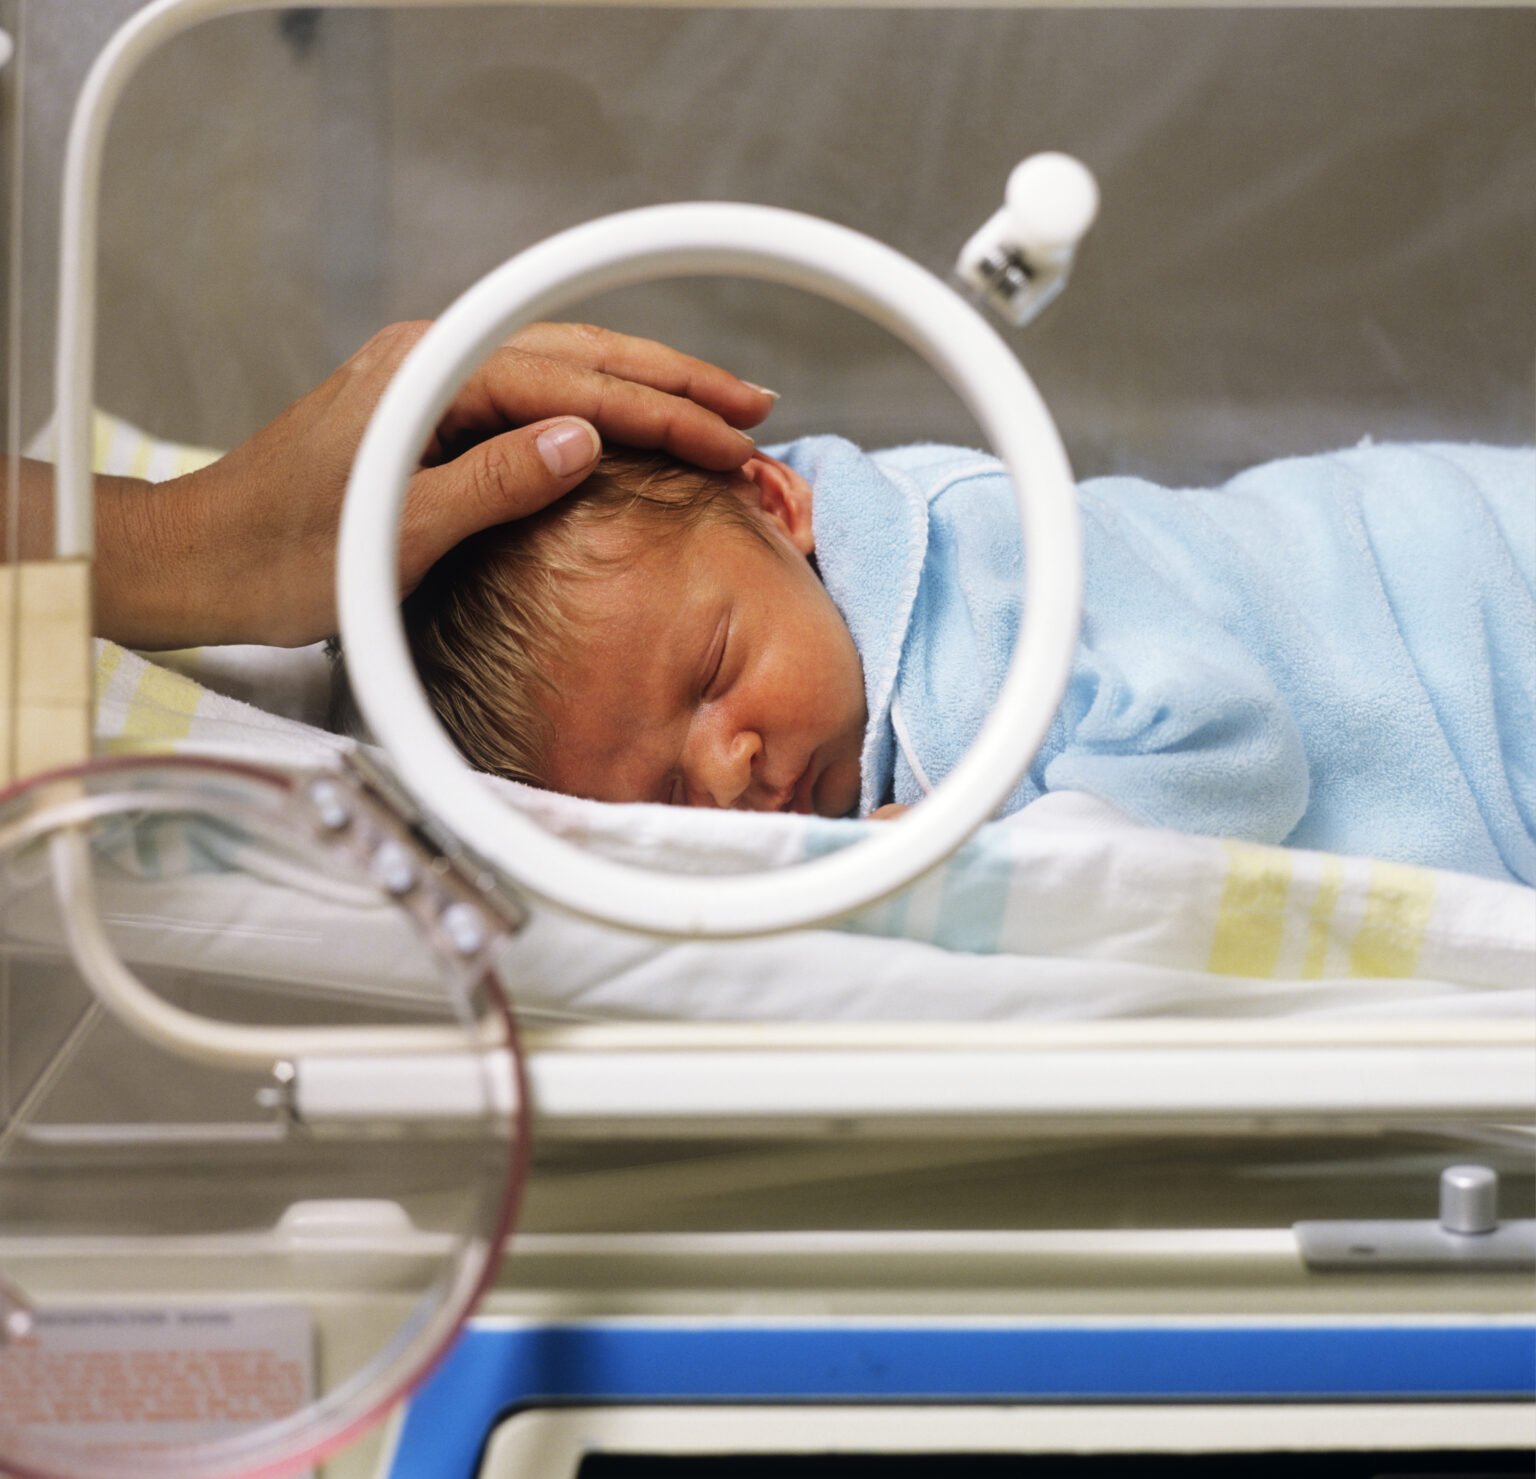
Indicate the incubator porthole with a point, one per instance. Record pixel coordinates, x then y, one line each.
725 240
149 1325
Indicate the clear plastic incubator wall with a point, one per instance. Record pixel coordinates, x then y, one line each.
341 1135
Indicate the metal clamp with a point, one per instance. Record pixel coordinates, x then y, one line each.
1468 1234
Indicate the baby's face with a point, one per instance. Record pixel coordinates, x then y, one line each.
713 670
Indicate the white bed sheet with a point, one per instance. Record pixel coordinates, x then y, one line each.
1067 911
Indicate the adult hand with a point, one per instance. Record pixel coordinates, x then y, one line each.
245 550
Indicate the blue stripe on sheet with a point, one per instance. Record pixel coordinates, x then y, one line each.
976 886
959 905
887 916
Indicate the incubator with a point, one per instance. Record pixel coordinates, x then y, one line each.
363 1116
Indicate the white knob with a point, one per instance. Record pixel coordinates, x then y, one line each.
1052 201
393 869
330 805
1469 1199
464 927
7 49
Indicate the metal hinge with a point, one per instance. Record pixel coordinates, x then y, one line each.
1468 1234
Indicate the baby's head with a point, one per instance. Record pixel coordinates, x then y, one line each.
660 634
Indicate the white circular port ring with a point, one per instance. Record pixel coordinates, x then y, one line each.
744 241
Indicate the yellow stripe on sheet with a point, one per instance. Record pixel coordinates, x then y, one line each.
102 433
108 660
1392 928
1320 917
139 459
1250 922
160 712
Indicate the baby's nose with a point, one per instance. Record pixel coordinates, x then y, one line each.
725 771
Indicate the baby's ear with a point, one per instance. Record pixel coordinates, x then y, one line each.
784 496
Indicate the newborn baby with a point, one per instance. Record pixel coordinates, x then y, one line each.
1333 652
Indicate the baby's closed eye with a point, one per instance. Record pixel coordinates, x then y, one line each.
714 661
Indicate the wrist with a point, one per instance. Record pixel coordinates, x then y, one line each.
152 582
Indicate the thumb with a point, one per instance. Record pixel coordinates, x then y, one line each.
567 446
503 478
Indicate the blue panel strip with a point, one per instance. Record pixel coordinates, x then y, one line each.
493 1368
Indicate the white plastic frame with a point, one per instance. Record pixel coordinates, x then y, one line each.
747 241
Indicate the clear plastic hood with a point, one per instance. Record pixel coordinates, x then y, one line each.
204 1271
1316 223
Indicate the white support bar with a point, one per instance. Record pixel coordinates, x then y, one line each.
428 1088
1232 1081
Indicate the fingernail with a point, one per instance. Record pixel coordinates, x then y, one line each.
761 389
567 447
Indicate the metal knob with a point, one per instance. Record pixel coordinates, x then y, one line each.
1469 1199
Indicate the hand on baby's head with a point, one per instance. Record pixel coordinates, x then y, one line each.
659 635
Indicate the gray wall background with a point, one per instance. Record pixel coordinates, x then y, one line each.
1318 225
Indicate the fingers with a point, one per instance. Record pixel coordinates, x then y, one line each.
514 387
378 359
646 362
506 477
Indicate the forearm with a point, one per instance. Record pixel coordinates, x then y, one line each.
153 581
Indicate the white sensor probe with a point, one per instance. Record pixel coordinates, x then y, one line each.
1019 261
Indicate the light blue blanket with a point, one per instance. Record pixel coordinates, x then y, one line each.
1337 652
